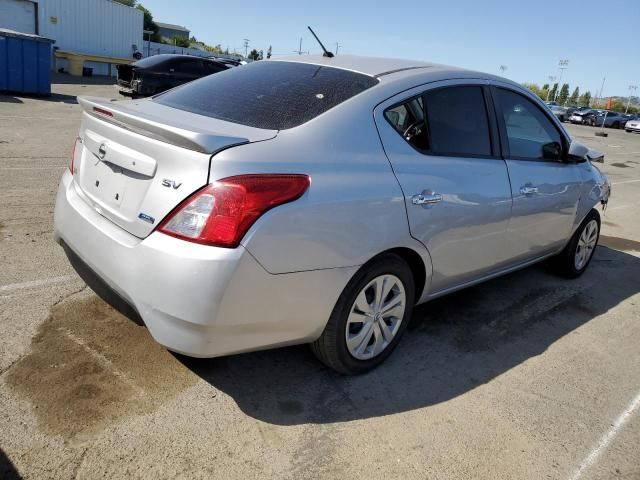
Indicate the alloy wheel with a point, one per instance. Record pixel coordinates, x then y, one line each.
586 244
375 317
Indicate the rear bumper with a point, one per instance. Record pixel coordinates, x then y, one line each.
194 299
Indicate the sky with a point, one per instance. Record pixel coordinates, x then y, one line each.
601 39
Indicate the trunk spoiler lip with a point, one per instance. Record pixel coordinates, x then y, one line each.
182 134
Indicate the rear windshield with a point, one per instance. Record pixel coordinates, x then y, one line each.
153 60
268 94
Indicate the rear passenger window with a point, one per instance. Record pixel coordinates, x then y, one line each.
530 133
408 120
188 66
456 122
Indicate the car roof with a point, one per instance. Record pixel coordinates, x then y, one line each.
372 66
401 72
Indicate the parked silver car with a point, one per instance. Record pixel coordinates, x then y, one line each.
633 125
317 200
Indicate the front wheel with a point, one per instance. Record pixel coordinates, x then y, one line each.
369 317
576 256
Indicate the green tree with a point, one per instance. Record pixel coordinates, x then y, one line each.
254 55
573 99
545 86
128 3
585 99
148 23
269 52
564 94
554 90
535 89
180 42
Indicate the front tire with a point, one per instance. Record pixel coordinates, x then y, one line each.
576 256
369 317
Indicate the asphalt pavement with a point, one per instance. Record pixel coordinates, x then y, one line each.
526 376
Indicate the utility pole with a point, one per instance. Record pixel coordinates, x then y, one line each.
563 64
552 79
299 51
602 87
337 45
632 88
245 44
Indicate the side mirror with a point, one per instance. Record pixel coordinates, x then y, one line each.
577 152
552 151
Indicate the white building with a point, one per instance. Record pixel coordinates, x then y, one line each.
97 27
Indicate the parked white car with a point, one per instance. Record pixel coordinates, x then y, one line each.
632 125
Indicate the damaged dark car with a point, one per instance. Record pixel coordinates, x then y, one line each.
155 74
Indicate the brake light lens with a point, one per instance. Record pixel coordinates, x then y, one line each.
102 111
221 213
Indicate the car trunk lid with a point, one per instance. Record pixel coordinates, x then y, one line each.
136 160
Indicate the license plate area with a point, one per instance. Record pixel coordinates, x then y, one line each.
106 182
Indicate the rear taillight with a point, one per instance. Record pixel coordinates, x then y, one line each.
73 155
222 212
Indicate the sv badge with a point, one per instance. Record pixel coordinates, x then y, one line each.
170 183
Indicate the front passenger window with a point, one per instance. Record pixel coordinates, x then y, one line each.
530 134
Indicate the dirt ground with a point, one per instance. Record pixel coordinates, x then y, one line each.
526 376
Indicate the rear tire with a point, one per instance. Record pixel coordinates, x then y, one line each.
366 324
616 125
576 256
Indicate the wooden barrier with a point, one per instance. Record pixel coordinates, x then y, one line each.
76 60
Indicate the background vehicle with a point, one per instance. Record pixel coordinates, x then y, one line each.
560 112
317 200
584 117
611 119
632 125
158 73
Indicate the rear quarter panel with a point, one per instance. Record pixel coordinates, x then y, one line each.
354 208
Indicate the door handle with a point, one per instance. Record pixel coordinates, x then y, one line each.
526 190
426 198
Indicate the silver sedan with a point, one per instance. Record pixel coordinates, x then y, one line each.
318 200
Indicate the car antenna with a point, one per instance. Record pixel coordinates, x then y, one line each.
326 53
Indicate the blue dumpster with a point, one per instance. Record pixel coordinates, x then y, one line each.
25 63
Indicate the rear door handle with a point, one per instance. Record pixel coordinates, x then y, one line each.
426 198
526 190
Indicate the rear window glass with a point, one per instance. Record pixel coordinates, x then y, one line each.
269 94
153 61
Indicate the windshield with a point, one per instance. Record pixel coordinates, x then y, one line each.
268 94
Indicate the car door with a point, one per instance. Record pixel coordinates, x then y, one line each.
443 147
545 188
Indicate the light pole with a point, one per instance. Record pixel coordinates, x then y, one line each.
632 88
563 64
601 88
245 44
551 80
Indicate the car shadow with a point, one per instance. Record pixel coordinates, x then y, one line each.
54 97
453 345
4 98
7 469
